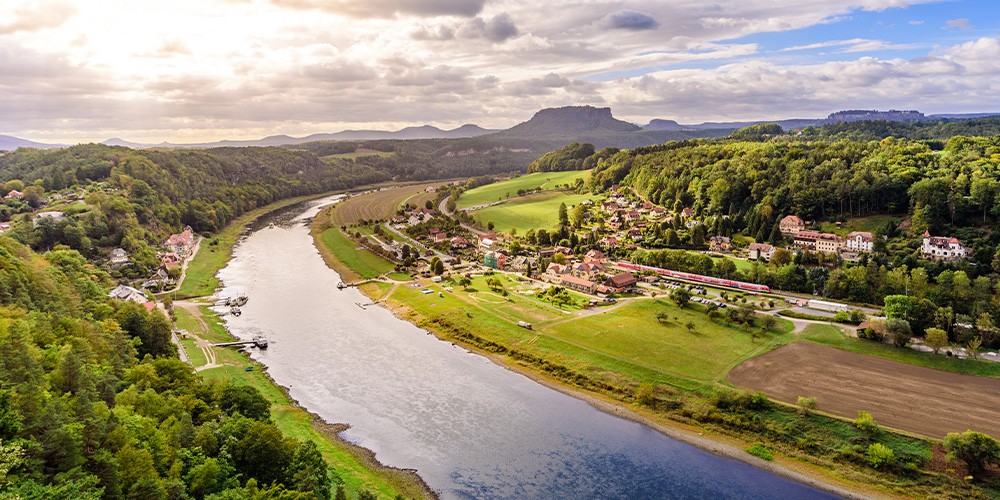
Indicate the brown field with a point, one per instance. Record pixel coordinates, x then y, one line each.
912 398
380 204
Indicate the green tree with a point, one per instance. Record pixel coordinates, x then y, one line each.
308 471
936 339
866 424
681 296
977 450
880 455
563 215
246 400
899 331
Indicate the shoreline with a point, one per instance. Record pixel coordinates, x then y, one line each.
408 478
718 445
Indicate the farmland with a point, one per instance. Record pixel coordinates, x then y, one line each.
378 205
509 188
902 396
359 153
534 211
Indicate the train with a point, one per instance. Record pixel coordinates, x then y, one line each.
708 280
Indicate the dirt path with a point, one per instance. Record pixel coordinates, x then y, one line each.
912 398
206 347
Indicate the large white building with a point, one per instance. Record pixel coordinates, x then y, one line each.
859 241
942 248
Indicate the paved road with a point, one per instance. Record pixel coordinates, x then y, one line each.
443 208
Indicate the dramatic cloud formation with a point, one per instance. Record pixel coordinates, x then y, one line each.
196 70
630 20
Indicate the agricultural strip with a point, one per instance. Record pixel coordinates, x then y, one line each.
508 189
380 204
912 398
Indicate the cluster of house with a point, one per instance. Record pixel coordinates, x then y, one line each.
589 275
628 218
177 247
414 217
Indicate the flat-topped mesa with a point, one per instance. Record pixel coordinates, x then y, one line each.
570 120
853 115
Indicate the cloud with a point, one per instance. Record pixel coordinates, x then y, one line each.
35 17
629 20
915 22
960 77
389 8
853 45
497 29
958 24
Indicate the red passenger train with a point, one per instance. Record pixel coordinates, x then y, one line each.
708 280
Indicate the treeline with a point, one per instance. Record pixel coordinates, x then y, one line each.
932 131
754 184
95 405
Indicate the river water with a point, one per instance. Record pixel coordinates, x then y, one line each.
470 428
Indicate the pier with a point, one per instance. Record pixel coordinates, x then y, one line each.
258 342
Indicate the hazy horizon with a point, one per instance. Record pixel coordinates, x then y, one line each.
202 71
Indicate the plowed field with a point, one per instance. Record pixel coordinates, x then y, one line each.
912 398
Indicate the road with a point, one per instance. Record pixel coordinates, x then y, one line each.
443 208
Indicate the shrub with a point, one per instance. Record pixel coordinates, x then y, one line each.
880 455
866 424
806 405
761 451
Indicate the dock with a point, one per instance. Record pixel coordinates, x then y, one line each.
258 342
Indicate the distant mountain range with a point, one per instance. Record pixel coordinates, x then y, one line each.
574 123
10 143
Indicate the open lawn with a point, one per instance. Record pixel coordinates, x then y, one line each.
360 262
529 212
380 204
832 336
509 188
913 398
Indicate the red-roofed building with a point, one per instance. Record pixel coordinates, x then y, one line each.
621 282
578 284
791 225
942 248
180 243
860 241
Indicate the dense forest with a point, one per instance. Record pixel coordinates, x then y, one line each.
95 404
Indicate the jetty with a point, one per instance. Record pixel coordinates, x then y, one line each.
258 342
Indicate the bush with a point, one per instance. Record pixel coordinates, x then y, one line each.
866 424
880 455
806 405
761 451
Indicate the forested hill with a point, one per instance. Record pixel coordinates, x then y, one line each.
95 405
953 191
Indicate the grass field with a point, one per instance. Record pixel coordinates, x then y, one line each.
529 212
508 189
832 336
377 205
869 224
362 263
626 340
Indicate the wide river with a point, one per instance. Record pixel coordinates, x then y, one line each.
470 428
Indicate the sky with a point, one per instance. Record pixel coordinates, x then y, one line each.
205 70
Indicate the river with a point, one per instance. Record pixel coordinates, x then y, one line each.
470 428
